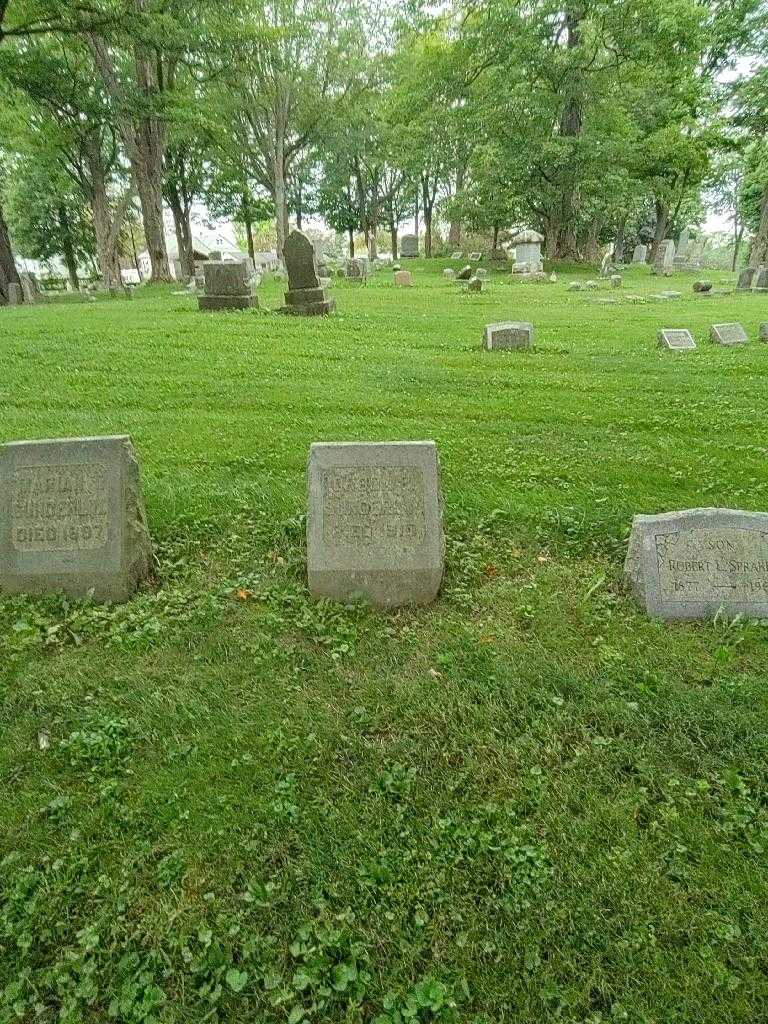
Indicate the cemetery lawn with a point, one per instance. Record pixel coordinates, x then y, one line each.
528 802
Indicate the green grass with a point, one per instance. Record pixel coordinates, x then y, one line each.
526 803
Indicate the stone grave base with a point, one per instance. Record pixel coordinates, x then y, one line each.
212 303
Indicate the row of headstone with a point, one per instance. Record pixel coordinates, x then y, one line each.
720 334
75 522
753 279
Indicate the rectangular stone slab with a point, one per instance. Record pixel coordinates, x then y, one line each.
375 522
510 335
728 334
677 340
695 563
226 279
72 518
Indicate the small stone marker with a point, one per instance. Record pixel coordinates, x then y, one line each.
73 519
409 247
449 274
305 295
575 286
702 287
677 340
474 284
761 280
15 294
511 334
29 288
464 274
640 252
475 257
403 279
616 280
375 522
728 334
456 255
356 269
763 332
744 284
482 274
226 287
693 564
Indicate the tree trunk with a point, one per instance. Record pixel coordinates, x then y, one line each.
495 238
592 241
759 251
738 236
299 208
373 247
249 233
183 229
106 224
571 121
454 231
393 240
660 231
351 243
68 249
8 271
619 243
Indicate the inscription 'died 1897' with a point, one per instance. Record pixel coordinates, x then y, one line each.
366 506
59 508
699 564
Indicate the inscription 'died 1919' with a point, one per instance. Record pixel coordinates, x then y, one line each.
699 564
374 505
60 508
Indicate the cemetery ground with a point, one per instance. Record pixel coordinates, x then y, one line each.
224 801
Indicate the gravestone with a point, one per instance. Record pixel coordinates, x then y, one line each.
528 252
508 335
698 562
409 247
606 266
728 334
464 274
482 274
403 279
356 269
702 287
72 518
474 284
321 261
15 294
639 254
744 284
616 280
763 332
761 279
305 295
663 264
375 522
475 257
456 255
676 340
29 288
226 287
449 274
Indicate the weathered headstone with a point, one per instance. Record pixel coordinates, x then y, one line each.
663 264
456 255
375 524
449 274
475 257
15 294
72 518
464 274
616 280
29 288
482 274
698 562
403 279
606 266
744 284
510 335
474 284
702 287
226 287
356 269
676 340
640 252
409 247
528 252
305 295
728 334
763 332
761 279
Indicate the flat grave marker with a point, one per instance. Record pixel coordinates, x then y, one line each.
695 563
510 334
728 334
72 518
676 339
375 522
